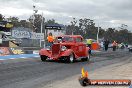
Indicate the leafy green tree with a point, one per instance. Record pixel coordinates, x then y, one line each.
88 28
24 23
35 21
14 20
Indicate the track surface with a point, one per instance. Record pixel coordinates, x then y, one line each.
33 73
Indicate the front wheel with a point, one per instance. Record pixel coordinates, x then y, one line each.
43 58
70 58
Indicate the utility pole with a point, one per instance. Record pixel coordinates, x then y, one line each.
73 25
33 18
41 28
34 13
98 34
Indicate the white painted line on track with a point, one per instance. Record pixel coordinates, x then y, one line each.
23 57
2 59
36 56
18 57
12 58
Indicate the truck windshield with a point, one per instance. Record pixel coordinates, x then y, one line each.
68 39
65 39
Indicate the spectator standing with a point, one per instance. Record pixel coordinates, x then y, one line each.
89 43
50 39
106 44
114 44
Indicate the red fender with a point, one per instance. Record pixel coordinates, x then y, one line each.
45 52
67 52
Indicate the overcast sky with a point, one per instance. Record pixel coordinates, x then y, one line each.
105 12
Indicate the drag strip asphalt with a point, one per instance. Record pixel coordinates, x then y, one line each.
33 73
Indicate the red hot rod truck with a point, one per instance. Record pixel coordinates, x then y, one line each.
67 48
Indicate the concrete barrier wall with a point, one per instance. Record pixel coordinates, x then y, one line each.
18 50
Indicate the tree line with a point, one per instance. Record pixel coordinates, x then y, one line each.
85 27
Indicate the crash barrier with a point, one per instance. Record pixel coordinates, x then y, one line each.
36 52
95 46
31 50
4 44
17 50
10 51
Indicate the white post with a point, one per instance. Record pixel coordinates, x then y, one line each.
41 28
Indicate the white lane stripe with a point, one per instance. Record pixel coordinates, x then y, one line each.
12 58
2 59
36 56
17 58
23 57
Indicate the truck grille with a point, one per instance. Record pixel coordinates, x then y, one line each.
55 50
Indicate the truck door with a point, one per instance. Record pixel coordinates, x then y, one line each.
80 47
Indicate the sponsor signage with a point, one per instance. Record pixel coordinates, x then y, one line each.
20 34
53 27
27 34
17 51
4 51
37 35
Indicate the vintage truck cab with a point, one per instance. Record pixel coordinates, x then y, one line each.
67 48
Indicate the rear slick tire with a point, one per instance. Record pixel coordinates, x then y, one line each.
86 58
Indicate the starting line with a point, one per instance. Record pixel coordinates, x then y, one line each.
7 57
19 56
